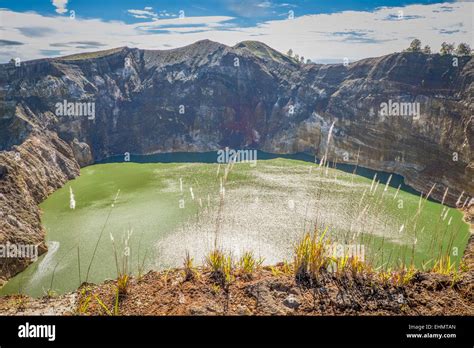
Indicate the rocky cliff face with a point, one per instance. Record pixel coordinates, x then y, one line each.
28 174
206 96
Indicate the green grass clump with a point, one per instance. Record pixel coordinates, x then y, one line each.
248 264
311 256
444 265
221 266
122 284
396 277
188 266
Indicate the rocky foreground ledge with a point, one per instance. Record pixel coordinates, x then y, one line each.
271 290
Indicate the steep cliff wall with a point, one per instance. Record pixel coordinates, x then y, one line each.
206 96
28 174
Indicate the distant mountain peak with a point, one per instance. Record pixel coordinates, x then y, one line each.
262 50
94 54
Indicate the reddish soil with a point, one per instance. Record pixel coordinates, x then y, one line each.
269 294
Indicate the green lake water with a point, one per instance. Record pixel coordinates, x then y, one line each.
173 207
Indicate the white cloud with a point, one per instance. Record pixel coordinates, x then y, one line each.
60 5
145 13
265 4
352 34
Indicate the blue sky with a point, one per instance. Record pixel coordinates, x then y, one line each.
325 30
247 12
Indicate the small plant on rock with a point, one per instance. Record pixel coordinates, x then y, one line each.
248 264
444 265
188 265
221 266
311 257
122 255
